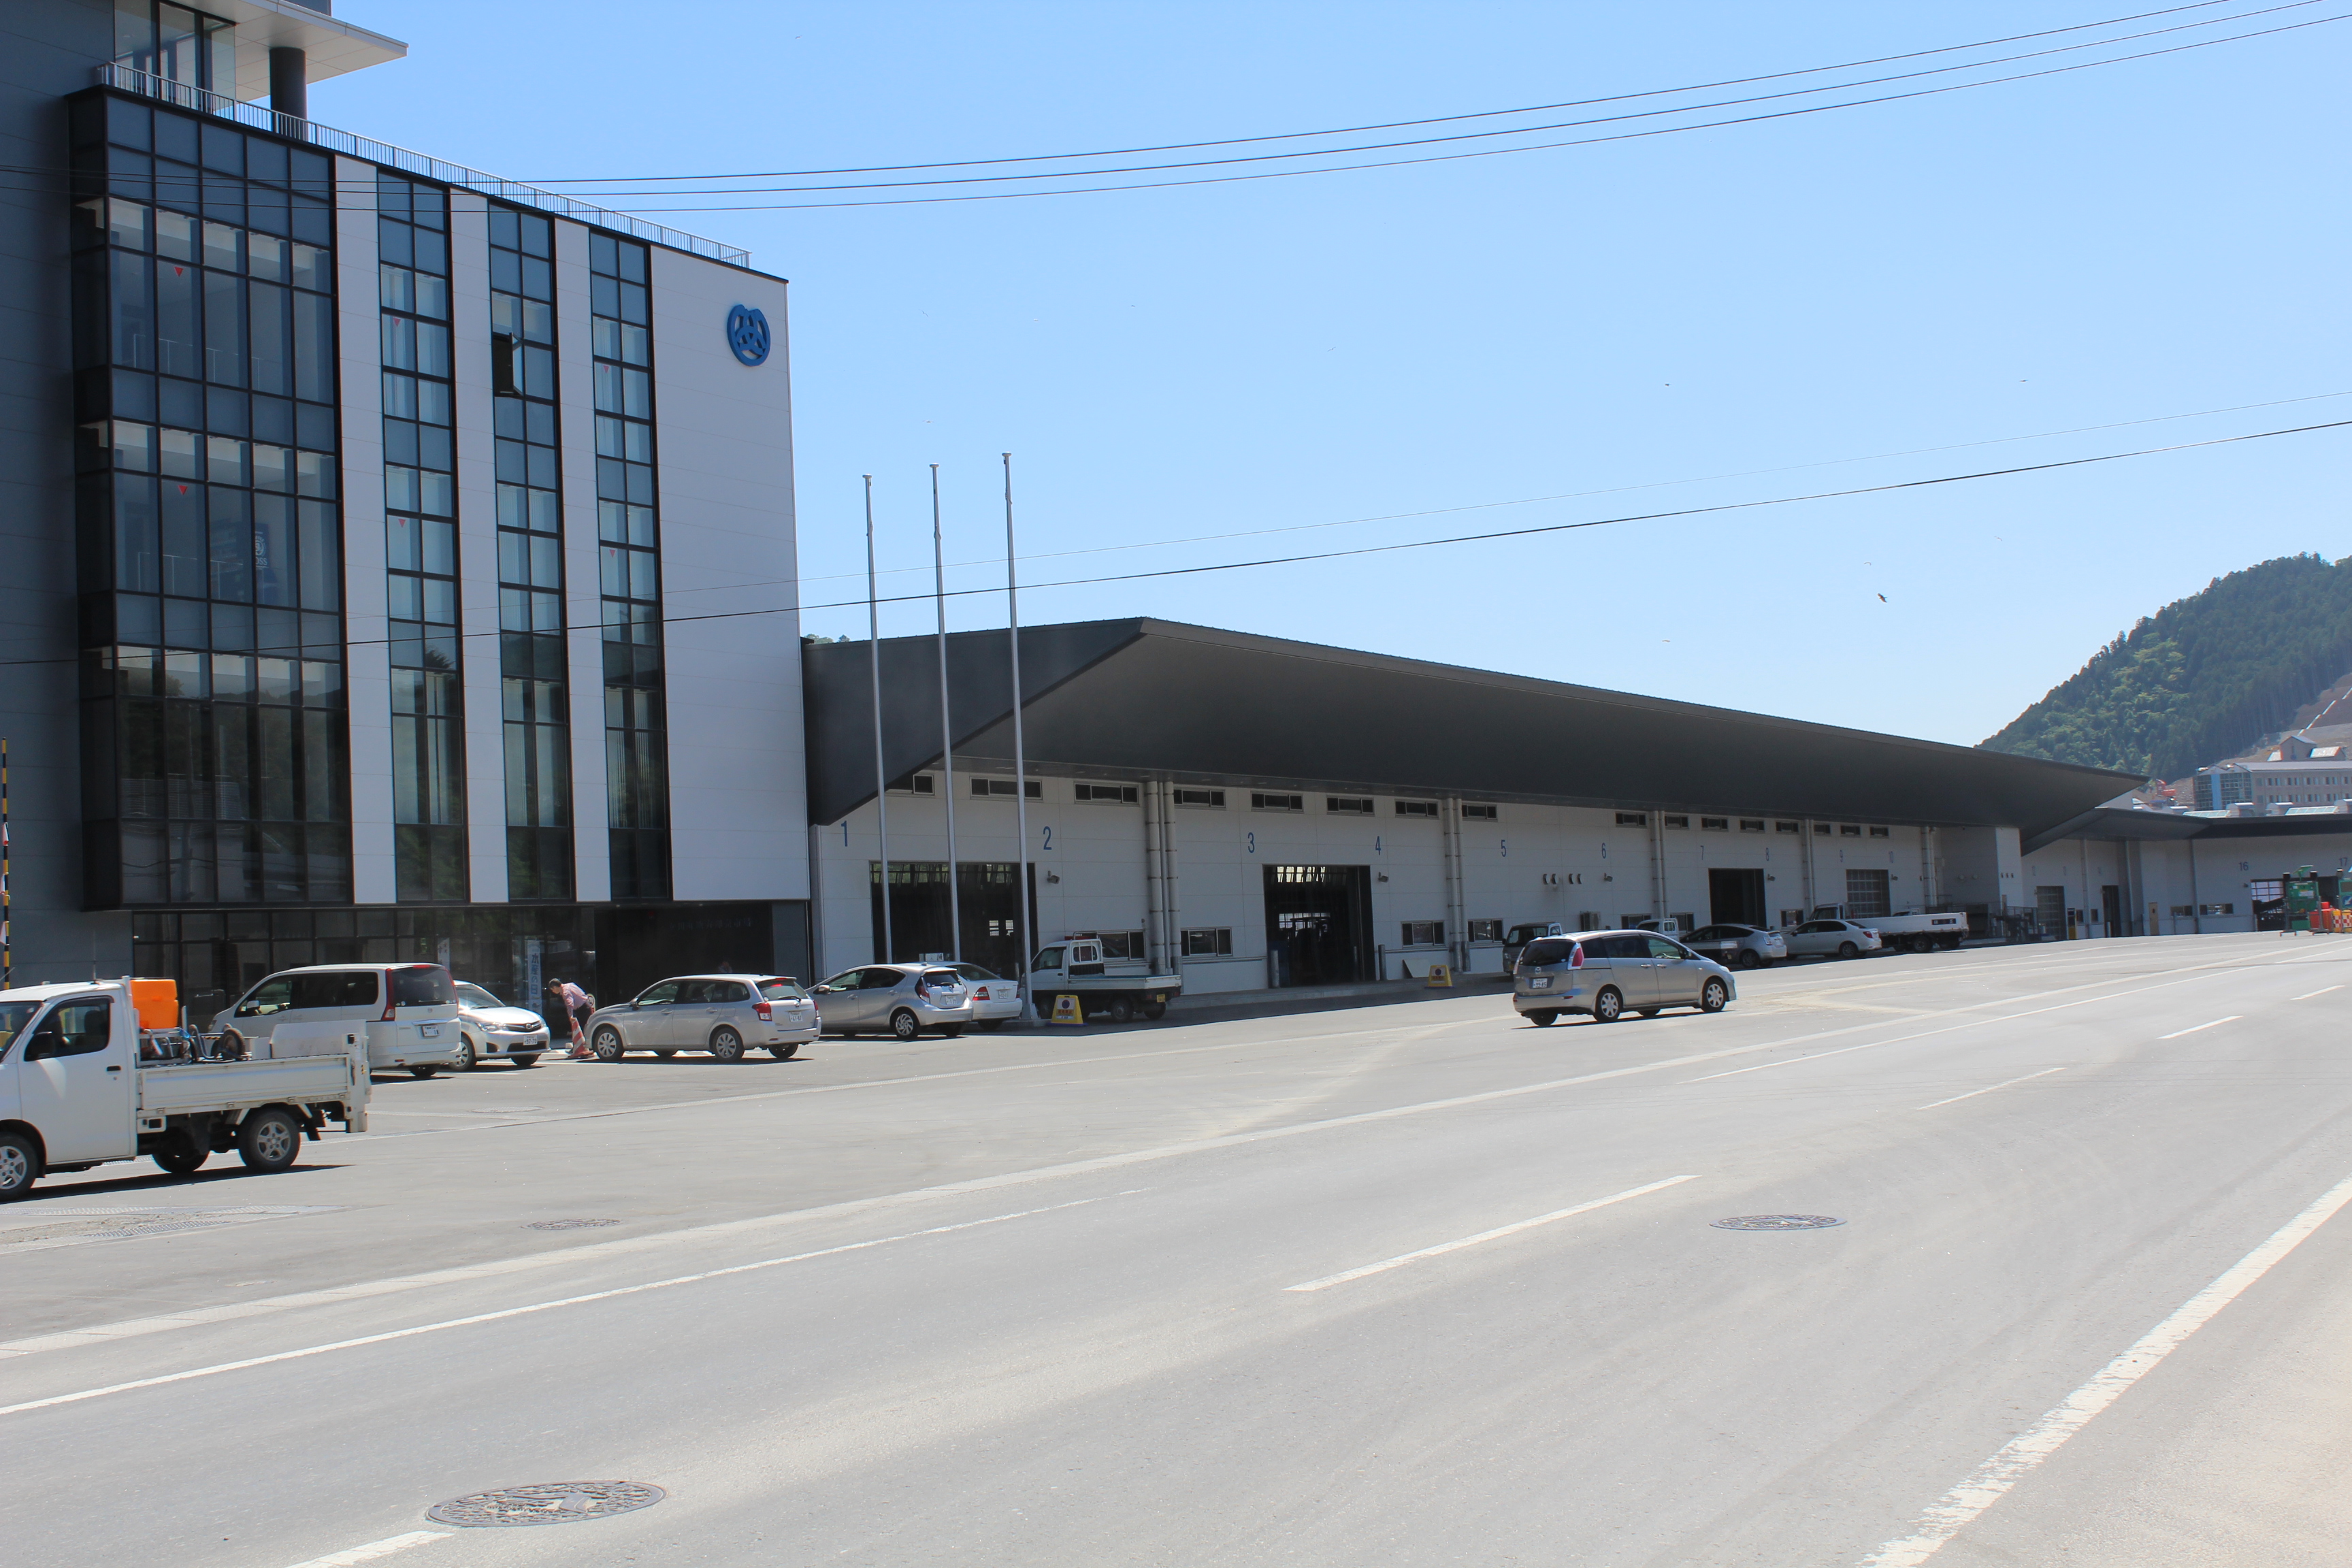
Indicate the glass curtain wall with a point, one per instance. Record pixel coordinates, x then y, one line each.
629 559
420 503
215 765
176 44
531 660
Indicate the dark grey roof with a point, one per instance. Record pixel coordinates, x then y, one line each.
2110 823
1135 697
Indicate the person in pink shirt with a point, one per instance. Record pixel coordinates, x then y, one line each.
574 1003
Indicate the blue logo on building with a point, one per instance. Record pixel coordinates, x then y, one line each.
747 334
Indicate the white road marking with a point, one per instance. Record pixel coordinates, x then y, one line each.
1994 1478
411 1332
1386 1264
2309 995
375 1548
1971 1094
2194 1029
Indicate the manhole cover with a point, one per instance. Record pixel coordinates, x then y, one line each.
568 1224
548 1502
1778 1222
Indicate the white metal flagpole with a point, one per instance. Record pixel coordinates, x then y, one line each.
947 726
1020 757
881 780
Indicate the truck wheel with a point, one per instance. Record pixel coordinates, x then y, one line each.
904 1025
1155 1010
466 1056
726 1044
1847 950
188 1156
267 1141
20 1162
1119 1011
608 1045
1543 1020
784 1053
1608 1007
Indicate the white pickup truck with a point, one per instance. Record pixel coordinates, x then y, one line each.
1113 990
82 1083
1911 932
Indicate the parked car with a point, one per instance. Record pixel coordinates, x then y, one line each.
408 1012
724 1014
489 1030
1608 973
1739 946
898 999
994 998
1832 939
1515 940
1911 931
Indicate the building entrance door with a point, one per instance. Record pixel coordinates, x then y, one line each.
1319 920
1735 897
986 898
2111 908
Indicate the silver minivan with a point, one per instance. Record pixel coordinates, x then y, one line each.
408 1011
1608 973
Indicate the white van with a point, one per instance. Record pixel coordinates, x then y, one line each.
409 1012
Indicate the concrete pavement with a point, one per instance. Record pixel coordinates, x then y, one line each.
1030 1298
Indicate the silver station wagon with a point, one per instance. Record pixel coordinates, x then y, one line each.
721 1013
1608 974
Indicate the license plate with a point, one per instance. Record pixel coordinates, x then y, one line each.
429 1031
1540 983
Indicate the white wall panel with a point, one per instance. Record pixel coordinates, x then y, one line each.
367 672
478 545
583 611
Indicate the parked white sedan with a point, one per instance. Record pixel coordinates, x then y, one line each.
1832 939
994 998
492 1031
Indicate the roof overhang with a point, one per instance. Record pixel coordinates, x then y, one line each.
331 47
1146 697
2171 826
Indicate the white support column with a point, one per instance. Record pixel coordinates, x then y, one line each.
367 669
1806 827
1156 946
1457 934
477 547
1172 908
583 604
1657 863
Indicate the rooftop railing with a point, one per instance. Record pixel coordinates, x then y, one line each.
124 78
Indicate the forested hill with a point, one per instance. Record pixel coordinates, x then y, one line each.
2203 678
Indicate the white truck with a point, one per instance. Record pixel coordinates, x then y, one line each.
1111 989
1910 931
91 1073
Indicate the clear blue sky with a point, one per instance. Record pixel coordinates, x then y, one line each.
2122 244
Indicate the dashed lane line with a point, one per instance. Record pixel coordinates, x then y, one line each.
1971 1094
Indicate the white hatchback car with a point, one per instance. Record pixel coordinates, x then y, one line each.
1832 939
492 1031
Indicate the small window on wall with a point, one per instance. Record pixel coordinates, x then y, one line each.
1202 797
1423 933
1263 802
1120 943
1716 824
1480 812
1785 827
2180 909
1751 825
914 784
2219 909
1878 833
1821 830
1217 942
1349 804
2265 892
1632 819
1485 931
1004 787
1676 821
1118 795
1591 923
1419 809
1849 830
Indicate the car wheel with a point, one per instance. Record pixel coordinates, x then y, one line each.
529 1061
1543 1020
665 1055
950 1031
466 1056
185 1155
1713 996
267 1141
1647 1012
1748 958
904 1024
20 1162
1608 1007
1847 950
784 1053
726 1044
424 1072
989 1025
608 1045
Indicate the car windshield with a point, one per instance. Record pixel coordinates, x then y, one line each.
782 991
472 995
1524 933
945 977
14 1016
974 972
422 986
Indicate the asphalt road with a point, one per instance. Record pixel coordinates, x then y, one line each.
1031 1299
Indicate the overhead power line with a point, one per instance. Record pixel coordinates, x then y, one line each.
1530 533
